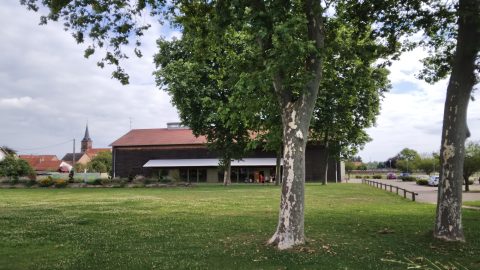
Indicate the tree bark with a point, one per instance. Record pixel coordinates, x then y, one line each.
467 188
297 110
325 168
448 224
278 168
227 172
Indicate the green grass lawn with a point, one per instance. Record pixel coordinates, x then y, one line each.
349 226
472 203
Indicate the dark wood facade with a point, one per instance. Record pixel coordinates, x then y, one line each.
129 160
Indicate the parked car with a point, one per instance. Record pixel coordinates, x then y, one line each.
404 174
391 176
433 181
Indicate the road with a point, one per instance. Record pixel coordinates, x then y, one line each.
426 194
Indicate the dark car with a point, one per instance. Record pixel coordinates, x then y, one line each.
391 176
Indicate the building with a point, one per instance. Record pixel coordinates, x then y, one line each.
3 154
46 163
87 152
175 152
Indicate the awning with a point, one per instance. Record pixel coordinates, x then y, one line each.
207 162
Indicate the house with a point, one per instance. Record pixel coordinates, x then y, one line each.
3 154
87 152
175 152
46 163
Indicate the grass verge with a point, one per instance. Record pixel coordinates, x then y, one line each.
349 226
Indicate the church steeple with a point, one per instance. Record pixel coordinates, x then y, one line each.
86 141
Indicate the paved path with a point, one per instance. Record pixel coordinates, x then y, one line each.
426 193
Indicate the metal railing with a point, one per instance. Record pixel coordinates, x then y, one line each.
391 187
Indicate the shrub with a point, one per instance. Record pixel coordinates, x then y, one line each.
32 176
130 177
408 178
422 182
358 177
377 176
95 182
367 177
60 183
106 181
45 182
71 174
30 182
165 180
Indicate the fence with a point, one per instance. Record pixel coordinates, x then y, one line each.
385 186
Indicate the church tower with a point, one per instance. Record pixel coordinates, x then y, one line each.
86 141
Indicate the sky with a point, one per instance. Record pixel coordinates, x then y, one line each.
49 91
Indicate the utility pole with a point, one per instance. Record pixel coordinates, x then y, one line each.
73 157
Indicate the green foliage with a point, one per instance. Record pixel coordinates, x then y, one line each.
202 87
471 164
408 178
349 166
71 174
428 164
350 92
377 176
60 183
80 168
14 167
95 182
101 163
45 182
422 182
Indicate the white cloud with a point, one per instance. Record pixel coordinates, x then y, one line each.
412 118
48 89
15 102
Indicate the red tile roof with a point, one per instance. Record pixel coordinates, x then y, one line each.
53 166
159 136
92 152
42 162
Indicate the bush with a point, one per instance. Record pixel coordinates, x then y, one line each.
96 182
165 180
106 181
367 177
422 182
408 178
60 183
377 176
358 176
30 182
45 182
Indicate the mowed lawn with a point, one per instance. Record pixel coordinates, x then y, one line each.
349 226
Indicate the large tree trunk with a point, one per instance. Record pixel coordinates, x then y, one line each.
290 228
278 167
297 110
448 224
227 172
325 162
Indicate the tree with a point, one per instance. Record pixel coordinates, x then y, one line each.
14 167
349 167
350 92
455 131
427 164
201 87
285 45
471 164
406 160
101 163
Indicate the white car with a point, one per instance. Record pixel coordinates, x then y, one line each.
433 181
